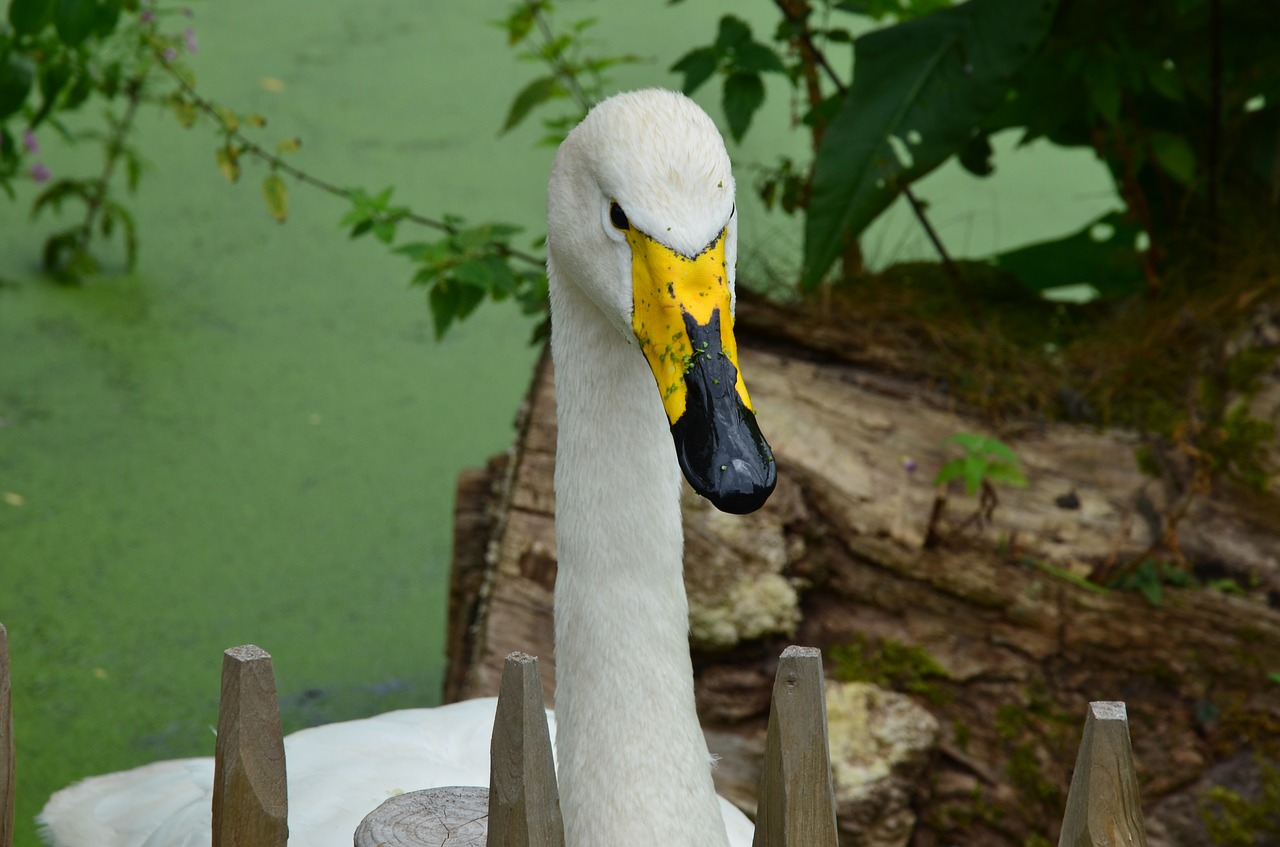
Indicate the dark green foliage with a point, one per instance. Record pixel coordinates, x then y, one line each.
58 55
1103 253
1140 91
742 60
1150 576
921 91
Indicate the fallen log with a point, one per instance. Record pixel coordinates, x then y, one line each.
995 631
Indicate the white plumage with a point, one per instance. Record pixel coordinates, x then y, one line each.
632 763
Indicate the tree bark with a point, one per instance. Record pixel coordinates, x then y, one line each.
1010 643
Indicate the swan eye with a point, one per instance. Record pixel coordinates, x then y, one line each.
617 217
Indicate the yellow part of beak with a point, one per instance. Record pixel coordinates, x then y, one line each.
666 286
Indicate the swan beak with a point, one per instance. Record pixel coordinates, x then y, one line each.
683 318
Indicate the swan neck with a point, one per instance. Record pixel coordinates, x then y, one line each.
633 762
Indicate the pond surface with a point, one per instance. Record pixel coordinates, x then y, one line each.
254 438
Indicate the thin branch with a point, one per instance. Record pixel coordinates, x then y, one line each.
115 147
947 263
802 32
562 71
247 145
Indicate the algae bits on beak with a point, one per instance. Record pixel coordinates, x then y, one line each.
683 319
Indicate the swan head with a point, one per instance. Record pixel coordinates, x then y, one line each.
641 219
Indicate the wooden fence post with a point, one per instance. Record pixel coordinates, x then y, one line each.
797 805
250 798
1103 806
524 802
8 762
521 807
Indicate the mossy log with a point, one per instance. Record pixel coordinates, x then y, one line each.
1010 640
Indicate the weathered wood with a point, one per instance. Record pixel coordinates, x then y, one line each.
524 802
430 818
797 805
1103 806
250 801
996 621
8 759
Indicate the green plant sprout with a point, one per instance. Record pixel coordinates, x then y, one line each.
986 462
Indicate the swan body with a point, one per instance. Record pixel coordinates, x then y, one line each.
337 774
642 242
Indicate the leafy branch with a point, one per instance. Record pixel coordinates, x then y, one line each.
379 217
66 254
459 269
574 76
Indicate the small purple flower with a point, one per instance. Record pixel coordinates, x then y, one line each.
40 173
908 464
189 36
148 16
170 53
29 141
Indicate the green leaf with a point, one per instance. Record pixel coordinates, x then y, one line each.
1150 585
53 78
929 83
1103 84
276 194
975 156
949 471
451 300
107 18
974 469
535 93
733 31
754 57
971 442
1174 155
16 72
29 16
996 447
228 159
520 23
385 230
697 66
75 20
1102 254
1005 474
743 95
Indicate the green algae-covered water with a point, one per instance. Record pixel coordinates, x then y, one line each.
253 437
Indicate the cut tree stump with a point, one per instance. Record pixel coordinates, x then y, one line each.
995 632
436 817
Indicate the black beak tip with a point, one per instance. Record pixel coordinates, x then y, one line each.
741 488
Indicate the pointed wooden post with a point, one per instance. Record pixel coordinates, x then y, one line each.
250 799
8 759
797 803
1103 806
524 802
